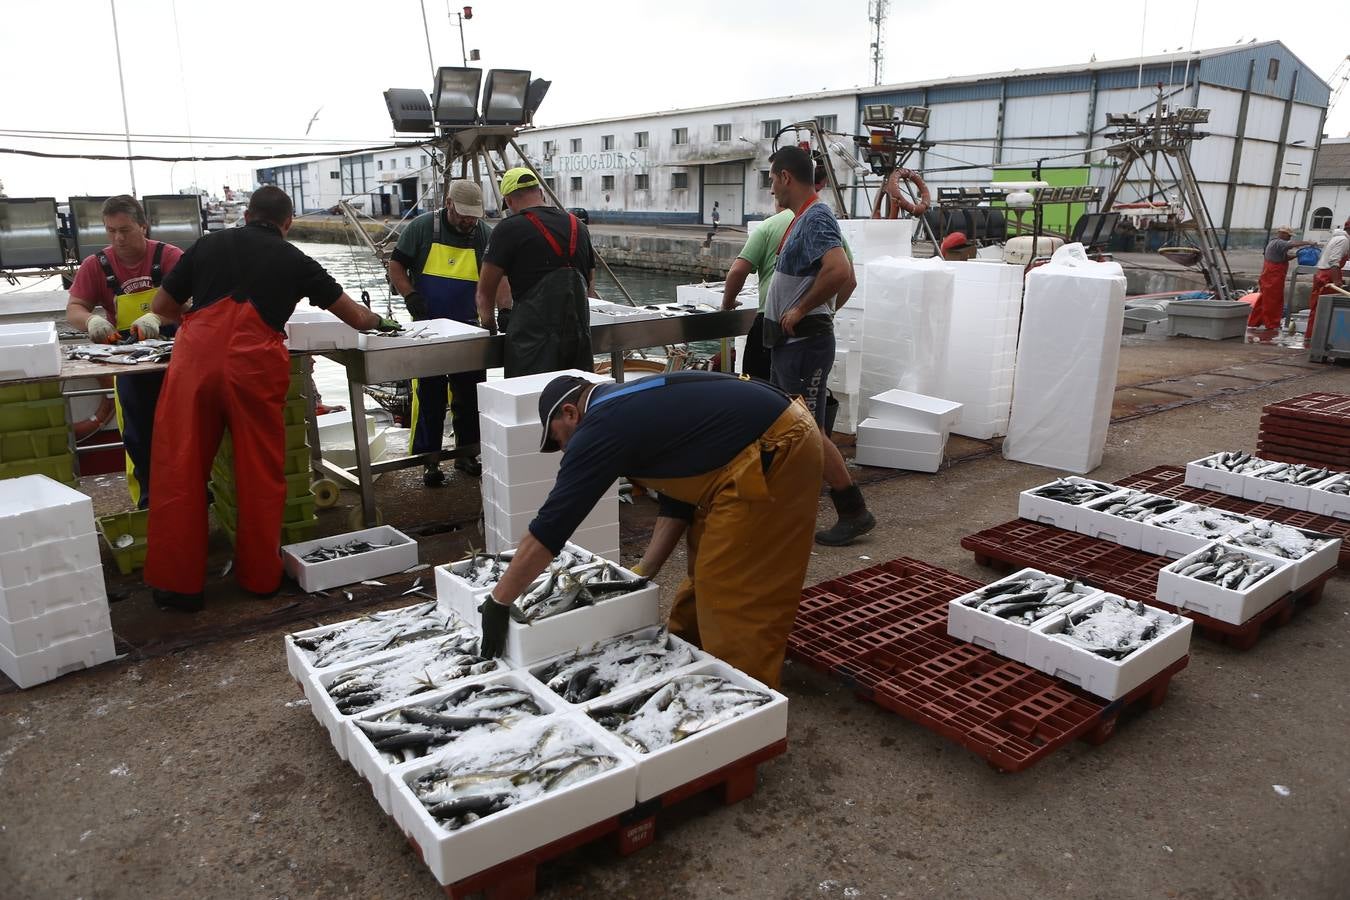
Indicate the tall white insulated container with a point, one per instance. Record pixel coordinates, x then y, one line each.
982 345
905 327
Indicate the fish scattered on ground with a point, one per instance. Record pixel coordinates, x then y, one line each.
1239 462
123 354
417 586
572 580
1227 568
379 631
684 706
1135 505
338 551
1203 522
1275 539
586 674
409 732
1295 473
507 767
1339 486
1074 490
1023 600
1114 628
424 667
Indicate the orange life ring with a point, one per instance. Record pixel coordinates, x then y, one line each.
85 428
897 200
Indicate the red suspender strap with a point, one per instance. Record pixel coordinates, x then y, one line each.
572 241
783 240
548 235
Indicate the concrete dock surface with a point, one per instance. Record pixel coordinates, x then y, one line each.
195 767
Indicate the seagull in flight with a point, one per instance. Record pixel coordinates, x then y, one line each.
312 119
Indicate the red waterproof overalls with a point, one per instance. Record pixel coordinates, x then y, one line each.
230 369
1320 281
1269 309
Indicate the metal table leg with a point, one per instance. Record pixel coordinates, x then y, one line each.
726 354
356 395
312 419
616 365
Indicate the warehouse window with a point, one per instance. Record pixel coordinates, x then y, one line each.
1273 69
679 136
607 142
606 182
552 183
407 162
379 165
1321 219
721 132
828 123
679 180
770 128
424 159
764 180
640 139
576 145
640 182
576 184
549 148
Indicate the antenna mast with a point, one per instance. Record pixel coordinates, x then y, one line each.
877 10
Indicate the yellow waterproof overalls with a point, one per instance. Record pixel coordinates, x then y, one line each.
749 545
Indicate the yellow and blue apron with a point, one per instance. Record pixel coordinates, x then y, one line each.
448 281
135 396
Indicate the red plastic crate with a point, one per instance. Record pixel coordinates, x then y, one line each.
1318 406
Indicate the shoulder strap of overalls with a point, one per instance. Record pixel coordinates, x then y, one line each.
553 242
157 265
113 284
656 381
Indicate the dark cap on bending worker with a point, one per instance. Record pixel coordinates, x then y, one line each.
563 389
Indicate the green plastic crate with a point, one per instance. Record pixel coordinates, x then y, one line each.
26 415
298 509
291 533
293 413
135 523
297 463
222 480
297 390
39 443
59 468
33 390
296 438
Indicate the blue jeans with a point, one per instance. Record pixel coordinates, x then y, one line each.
801 368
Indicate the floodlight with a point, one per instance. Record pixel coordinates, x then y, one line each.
878 114
1190 115
86 224
535 96
916 115
409 110
454 100
1114 120
29 237
504 97
174 218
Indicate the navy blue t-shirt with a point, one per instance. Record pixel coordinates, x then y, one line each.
662 426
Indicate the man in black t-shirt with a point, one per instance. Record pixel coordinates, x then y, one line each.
546 254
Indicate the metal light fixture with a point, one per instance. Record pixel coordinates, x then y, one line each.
878 114
1190 115
1115 120
29 238
454 101
915 115
535 96
174 218
504 97
409 110
86 223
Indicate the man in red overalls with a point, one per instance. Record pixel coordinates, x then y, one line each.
231 369
1329 268
1269 309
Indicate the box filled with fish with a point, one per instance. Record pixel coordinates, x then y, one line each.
691 724
1058 503
419 334
1312 553
1108 646
1183 531
338 693
362 638
1120 517
1223 472
348 558
1225 583
1331 497
999 615
377 743
622 662
1284 484
491 798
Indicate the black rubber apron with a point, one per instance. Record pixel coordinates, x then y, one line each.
550 325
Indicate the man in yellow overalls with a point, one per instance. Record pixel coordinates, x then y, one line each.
736 464
110 299
435 267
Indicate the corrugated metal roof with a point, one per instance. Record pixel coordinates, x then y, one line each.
1333 161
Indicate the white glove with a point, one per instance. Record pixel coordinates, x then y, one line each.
100 329
146 328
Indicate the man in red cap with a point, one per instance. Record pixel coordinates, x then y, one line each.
956 247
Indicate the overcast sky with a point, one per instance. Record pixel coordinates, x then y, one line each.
261 68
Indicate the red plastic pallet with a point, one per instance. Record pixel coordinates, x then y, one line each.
1004 711
515 879
1283 452
1305 429
1319 406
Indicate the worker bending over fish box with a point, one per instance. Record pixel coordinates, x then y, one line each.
230 368
736 463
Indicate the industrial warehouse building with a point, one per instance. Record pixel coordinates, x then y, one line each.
1254 167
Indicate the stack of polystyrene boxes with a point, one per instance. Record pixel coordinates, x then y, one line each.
517 478
982 346
29 350
1067 355
53 604
318 330
905 324
872 239
906 431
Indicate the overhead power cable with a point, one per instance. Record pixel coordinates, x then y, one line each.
108 157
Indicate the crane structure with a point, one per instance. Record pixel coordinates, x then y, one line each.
1337 82
877 11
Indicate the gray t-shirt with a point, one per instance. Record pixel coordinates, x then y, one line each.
1277 251
812 234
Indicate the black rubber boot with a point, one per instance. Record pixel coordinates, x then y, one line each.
432 476
854 518
469 465
183 602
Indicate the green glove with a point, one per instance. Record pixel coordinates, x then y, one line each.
388 324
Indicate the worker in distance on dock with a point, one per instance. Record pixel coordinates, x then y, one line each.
435 267
230 367
546 254
1269 308
1330 266
731 459
110 299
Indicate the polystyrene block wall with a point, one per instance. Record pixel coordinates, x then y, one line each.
982 344
905 326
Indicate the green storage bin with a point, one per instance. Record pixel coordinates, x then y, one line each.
136 523
296 438
33 390
297 390
27 415
291 533
39 443
298 509
58 468
297 461
293 413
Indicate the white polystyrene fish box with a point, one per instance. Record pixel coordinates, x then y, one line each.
878 433
1321 558
418 334
891 458
529 496
520 468
516 400
1208 478
1108 678
27 636
905 326
528 644
399 554
455 594
846 373
376 768
1004 637
57 659
454 855
624 676
43 561
602 540
29 350
1183 531
1264 490
982 345
26 601
1031 505
1225 604
1094 520
34 509
510 439
848 329
304 664
609 313
683 761
514 526
1325 502
906 409
317 331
